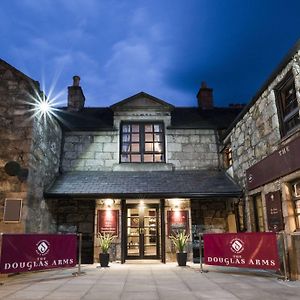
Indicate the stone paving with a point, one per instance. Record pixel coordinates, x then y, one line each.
147 282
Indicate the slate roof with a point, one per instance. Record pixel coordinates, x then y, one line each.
101 118
193 117
144 184
88 119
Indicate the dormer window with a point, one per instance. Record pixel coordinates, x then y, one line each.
142 142
288 105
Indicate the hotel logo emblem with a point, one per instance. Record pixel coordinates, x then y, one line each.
42 247
237 246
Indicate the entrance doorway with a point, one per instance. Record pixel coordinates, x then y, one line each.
142 227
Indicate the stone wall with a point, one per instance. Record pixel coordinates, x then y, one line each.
15 136
77 216
34 144
44 161
192 148
211 216
99 151
92 151
257 134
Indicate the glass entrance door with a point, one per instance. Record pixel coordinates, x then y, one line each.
142 231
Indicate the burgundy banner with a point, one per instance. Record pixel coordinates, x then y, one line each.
178 221
108 221
32 252
243 250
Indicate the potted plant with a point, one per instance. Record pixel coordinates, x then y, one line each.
180 240
105 242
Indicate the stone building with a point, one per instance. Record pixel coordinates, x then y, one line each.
263 145
142 168
149 167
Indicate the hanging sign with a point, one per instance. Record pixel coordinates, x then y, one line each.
108 221
274 211
33 252
178 221
243 250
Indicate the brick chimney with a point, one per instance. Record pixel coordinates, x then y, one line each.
205 97
75 96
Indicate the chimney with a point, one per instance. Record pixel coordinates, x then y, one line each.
205 97
75 96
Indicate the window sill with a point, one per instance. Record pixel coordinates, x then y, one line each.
295 132
143 167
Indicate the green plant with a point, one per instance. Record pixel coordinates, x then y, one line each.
105 241
180 240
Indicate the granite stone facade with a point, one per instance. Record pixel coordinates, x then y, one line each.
255 136
34 144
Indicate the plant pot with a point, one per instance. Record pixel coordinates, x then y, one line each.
181 258
104 260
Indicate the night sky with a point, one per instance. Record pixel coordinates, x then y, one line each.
165 48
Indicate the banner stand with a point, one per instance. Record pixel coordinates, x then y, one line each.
200 253
284 255
79 273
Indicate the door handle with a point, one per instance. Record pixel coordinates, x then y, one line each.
142 230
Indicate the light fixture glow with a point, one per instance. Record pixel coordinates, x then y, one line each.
44 107
109 202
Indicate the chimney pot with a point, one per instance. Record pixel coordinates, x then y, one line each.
203 85
76 97
76 80
205 97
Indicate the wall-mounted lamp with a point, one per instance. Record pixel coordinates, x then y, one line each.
107 202
141 205
176 203
13 168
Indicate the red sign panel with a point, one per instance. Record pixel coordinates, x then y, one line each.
32 252
274 211
281 162
177 221
108 221
243 250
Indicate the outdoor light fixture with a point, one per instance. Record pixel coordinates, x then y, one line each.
43 107
109 202
141 205
176 203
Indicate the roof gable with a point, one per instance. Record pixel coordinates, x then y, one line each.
142 101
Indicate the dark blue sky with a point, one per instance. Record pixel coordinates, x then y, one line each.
165 48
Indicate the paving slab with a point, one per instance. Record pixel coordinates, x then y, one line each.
148 281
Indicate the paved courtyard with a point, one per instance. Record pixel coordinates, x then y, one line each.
147 282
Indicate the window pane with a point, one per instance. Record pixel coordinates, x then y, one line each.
135 137
158 147
148 158
158 137
126 147
149 147
140 142
158 157
135 158
148 128
149 137
125 158
126 137
126 128
135 147
135 128
158 128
